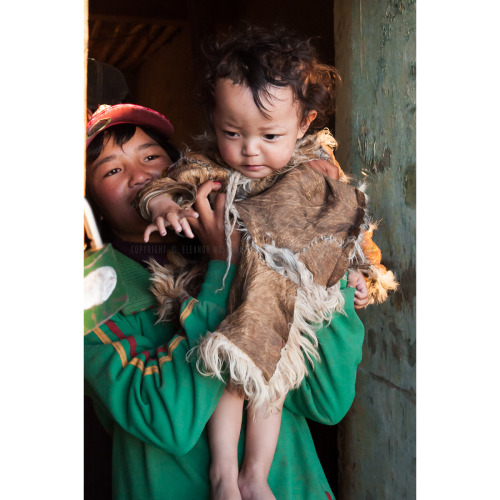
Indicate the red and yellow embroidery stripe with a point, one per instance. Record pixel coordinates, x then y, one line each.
149 370
117 345
136 361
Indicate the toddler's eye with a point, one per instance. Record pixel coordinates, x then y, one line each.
228 133
151 157
271 137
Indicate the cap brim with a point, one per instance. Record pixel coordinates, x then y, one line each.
128 113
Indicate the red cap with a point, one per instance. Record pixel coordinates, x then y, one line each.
107 116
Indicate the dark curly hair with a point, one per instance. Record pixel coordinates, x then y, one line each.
261 58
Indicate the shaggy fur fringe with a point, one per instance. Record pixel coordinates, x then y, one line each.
379 280
379 284
172 282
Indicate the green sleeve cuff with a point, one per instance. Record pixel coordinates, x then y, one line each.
211 289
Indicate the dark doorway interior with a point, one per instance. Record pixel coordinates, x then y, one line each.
155 43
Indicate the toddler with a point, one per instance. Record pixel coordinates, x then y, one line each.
264 93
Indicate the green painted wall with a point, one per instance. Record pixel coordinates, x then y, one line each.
375 127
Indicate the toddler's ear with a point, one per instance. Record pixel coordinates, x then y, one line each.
304 125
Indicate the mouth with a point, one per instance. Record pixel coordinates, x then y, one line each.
253 167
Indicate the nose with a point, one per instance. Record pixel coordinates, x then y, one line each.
250 147
138 176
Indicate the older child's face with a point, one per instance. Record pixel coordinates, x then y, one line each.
116 176
250 142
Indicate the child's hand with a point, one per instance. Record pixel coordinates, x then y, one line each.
357 280
165 212
210 226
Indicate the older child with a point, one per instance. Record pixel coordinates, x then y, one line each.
302 231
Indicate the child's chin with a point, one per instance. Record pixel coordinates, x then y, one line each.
255 174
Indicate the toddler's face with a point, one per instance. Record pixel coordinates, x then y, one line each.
250 142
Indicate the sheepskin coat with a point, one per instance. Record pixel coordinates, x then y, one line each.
301 232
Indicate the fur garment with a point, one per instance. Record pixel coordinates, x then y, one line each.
301 232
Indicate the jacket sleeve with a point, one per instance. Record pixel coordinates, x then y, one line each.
136 370
327 393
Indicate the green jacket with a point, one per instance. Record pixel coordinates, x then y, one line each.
155 404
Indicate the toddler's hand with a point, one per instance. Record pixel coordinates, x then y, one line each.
357 280
165 212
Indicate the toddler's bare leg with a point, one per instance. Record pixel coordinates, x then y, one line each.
224 429
261 439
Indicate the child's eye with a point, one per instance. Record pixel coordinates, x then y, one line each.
228 133
112 172
271 137
151 157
